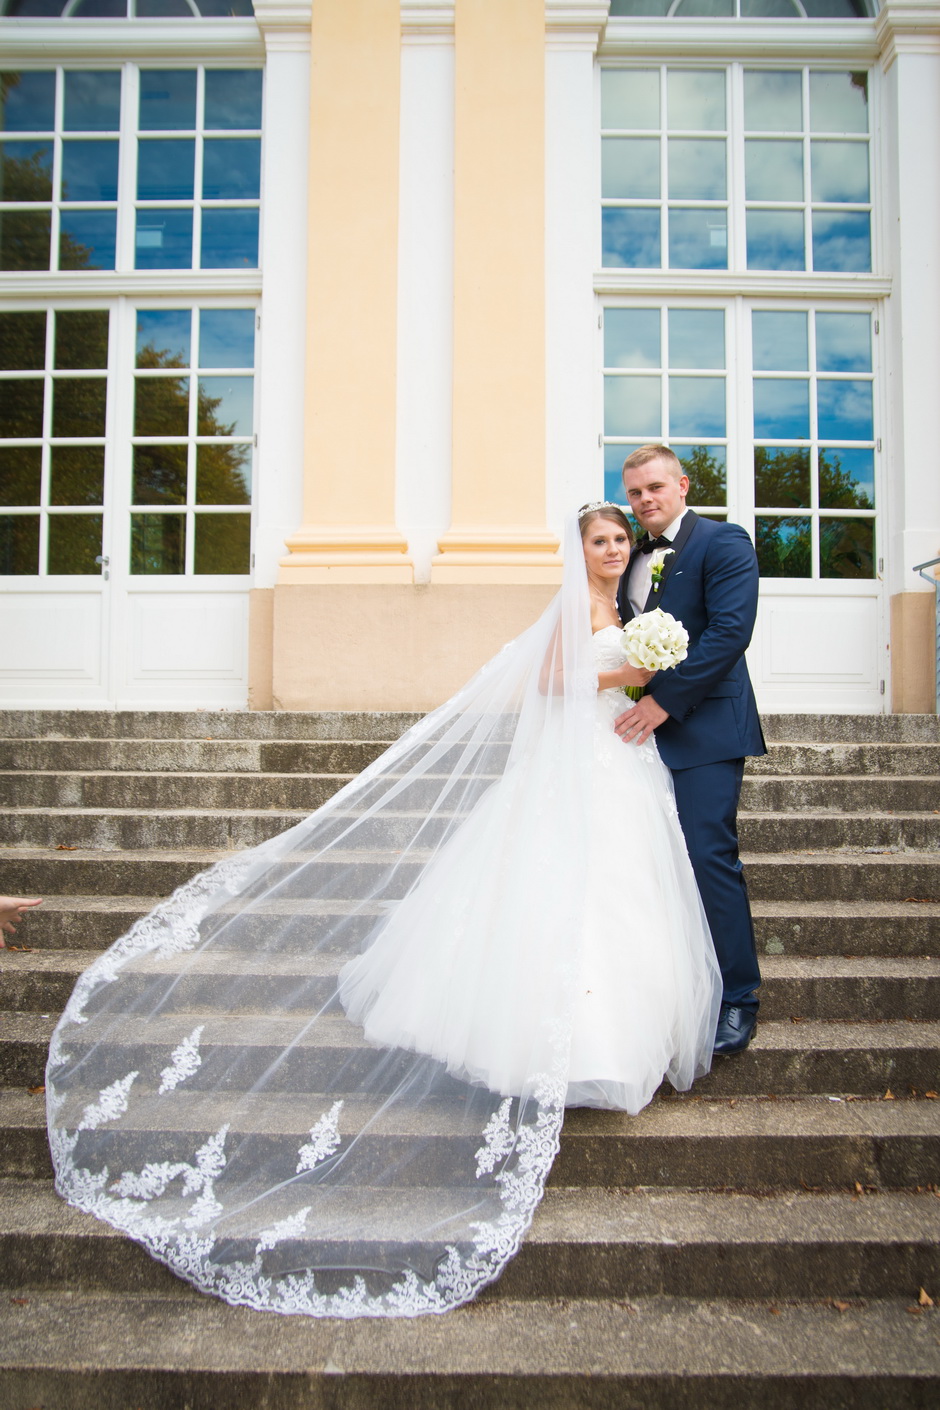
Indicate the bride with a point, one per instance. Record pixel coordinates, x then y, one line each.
328 1076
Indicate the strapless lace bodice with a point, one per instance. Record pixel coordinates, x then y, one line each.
608 652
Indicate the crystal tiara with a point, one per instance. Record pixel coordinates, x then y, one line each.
599 504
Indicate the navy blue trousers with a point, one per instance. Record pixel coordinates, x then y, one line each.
707 799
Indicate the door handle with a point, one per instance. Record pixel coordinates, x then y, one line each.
104 560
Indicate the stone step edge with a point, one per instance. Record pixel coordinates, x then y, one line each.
500 1351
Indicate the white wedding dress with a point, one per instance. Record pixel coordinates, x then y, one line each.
328 1076
646 981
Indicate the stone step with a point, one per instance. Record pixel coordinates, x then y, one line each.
348 754
747 1143
783 793
388 725
810 928
814 876
829 987
111 1351
785 1058
124 829
583 1243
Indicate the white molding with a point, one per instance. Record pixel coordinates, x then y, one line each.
575 24
845 41
111 284
427 21
56 40
909 27
285 24
728 283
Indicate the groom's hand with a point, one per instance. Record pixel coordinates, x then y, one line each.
636 726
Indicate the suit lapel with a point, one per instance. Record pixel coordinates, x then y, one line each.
654 598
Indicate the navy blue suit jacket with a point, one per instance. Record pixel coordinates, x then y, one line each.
710 584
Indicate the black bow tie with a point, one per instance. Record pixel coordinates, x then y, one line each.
648 545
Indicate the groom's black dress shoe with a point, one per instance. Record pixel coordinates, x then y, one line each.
735 1029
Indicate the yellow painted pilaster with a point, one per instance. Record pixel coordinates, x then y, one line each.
498 532
348 533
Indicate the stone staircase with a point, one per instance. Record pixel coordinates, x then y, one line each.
761 1240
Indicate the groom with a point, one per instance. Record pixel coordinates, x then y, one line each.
703 711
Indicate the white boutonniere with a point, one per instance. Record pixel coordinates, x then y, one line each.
657 562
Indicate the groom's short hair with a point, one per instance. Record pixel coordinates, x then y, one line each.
653 452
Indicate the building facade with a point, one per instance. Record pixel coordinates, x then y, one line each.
316 319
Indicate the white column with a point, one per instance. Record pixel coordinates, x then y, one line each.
425 279
572 251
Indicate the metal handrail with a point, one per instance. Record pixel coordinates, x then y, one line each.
934 582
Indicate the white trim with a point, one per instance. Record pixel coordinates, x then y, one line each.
60 41
575 24
427 21
762 284
285 25
844 41
109 283
911 27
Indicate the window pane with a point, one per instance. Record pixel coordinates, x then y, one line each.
630 166
223 474
159 475
227 337
163 337
846 548
81 339
846 478
697 169
22 341
843 342
838 102
840 171
20 474
162 9
614 456
842 242
633 407
631 239
845 410
710 9
698 239
225 406
165 169
697 406
25 239
223 543
19 544
21 408
781 408
632 337
630 98
229 239
89 171
78 406
87 239
167 99
26 168
74 543
695 99
773 170
231 168
705 467
783 547
233 98
158 544
773 102
164 239
92 101
161 406
775 240
27 101
781 477
780 342
696 337
76 475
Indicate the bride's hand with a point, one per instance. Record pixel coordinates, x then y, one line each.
635 675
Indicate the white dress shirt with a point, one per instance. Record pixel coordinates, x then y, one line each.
641 570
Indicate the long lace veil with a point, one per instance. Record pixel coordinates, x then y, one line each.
208 1094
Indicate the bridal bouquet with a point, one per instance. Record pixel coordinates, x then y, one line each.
655 641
